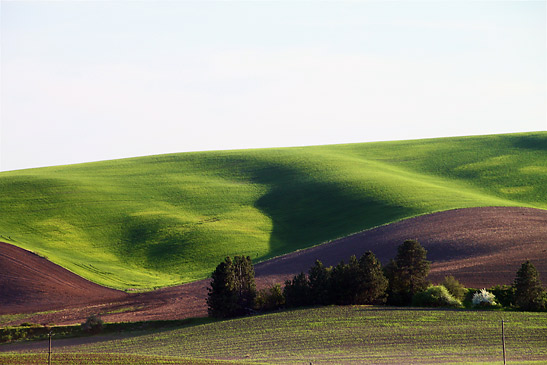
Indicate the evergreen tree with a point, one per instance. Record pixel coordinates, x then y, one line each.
529 293
319 278
221 298
372 281
297 291
232 290
343 282
407 273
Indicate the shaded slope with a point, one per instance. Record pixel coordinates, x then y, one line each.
479 246
164 220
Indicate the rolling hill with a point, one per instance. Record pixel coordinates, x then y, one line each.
163 220
481 247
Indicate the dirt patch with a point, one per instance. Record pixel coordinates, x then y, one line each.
30 283
479 246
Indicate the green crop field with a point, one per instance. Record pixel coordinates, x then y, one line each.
102 359
356 334
169 219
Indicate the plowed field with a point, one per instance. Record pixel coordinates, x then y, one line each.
479 246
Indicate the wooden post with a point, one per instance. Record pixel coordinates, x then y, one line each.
503 341
49 351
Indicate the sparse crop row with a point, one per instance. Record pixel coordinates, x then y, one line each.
346 333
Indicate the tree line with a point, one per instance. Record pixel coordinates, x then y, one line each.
403 281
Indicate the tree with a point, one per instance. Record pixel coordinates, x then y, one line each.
372 281
529 293
297 291
344 281
232 290
244 283
407 274
319 278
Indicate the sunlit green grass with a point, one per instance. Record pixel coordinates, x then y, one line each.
352 334
168 219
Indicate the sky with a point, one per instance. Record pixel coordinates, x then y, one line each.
85 81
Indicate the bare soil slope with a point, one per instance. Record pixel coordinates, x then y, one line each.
29 282
479 246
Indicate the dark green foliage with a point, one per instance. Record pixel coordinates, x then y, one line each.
344 282
93 324
505 294
244 275
297 291
394 292
319 278
232 290
529 293
372 281
270 298
407 274
435 296
221 297
454 287
357 282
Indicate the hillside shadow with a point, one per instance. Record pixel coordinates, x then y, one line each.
306 211
151 242
532 142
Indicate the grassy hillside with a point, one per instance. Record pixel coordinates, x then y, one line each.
350 334
162 220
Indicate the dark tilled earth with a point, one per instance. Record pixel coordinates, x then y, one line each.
481 247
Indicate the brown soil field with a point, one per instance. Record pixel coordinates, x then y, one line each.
481 247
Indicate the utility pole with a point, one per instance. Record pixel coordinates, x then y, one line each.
503 340
50 333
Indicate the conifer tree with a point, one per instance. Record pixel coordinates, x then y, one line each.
372 281
297 291
319 277
342 282
407 274
232 290
529 293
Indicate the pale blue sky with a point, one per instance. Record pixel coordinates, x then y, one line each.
87 81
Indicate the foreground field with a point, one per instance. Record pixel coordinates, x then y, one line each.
164 220
353 334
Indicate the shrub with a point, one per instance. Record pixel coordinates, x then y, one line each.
454 287
435 296
270 298
484 298
93 324
505 294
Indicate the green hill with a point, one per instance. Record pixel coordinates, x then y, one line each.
168 219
